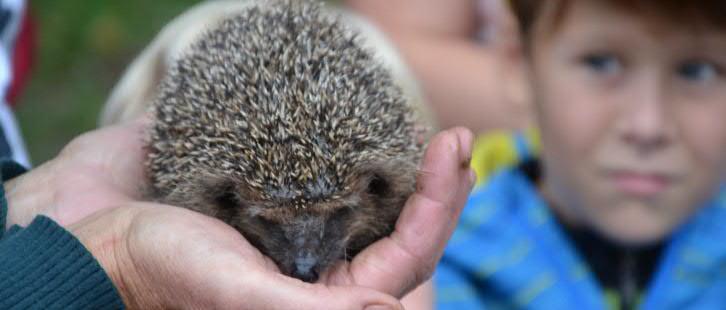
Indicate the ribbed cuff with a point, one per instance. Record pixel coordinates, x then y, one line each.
8 170
45 267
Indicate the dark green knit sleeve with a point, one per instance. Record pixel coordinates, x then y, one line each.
8 170
43 266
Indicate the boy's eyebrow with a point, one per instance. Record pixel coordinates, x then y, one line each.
713 51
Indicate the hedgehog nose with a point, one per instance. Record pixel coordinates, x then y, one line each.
305 267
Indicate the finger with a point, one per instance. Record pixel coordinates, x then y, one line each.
144 120
126 157
398 263
131 133
275 291
235 276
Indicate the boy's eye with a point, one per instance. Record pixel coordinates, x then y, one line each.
698 71
602 63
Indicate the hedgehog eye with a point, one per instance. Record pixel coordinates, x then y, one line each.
265 222
378 186
227 200
340 215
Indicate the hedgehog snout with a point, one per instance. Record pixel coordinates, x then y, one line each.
304 239
315 241
305 256
306 267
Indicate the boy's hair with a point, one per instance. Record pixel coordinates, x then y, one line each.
697 14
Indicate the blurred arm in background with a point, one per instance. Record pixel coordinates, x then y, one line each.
465 54
16 57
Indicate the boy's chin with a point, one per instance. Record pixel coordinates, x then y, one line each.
634 225
635 238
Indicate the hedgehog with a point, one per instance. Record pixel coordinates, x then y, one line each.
281 123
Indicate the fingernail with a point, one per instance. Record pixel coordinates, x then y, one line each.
454 145
466 141
466 163
472 177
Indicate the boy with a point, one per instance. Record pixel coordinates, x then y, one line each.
629 210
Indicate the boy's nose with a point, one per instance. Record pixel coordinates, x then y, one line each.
645 124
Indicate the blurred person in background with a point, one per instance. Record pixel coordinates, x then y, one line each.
16 52
466 57
464 53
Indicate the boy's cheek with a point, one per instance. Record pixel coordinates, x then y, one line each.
574 116
703 131
703 135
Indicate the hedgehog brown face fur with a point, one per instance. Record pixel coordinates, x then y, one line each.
282 124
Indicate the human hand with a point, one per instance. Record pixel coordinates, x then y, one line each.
160 256
97 170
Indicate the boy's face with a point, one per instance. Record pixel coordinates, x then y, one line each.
633 119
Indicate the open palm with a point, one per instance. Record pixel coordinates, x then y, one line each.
98 170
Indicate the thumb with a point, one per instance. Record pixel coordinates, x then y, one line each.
274 291
348 297
405 259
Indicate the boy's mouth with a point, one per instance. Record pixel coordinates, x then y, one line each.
640 184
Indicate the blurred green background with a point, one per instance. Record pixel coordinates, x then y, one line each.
82 48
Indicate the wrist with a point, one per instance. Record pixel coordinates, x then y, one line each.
104 234
9 170
27 194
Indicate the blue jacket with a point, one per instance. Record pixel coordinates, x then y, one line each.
509 252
